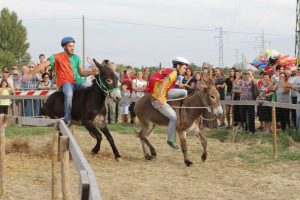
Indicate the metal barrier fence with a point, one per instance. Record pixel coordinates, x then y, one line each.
28 103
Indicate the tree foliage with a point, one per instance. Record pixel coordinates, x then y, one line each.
13 37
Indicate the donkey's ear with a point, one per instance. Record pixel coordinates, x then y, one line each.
200 86
97 64
205 90
209 82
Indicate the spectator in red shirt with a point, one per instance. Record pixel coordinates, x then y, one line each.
127 78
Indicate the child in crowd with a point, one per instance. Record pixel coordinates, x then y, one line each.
124 103
5 90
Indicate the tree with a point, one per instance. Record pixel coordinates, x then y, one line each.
13 37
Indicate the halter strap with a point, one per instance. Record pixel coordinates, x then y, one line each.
103 86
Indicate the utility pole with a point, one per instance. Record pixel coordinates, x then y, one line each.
297 45
243 61
262 42
221 65
83 42
237 56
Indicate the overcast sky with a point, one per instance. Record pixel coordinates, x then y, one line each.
48 21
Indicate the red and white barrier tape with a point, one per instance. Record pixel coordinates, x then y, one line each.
35 93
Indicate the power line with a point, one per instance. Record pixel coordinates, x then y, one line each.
158 26
151 25
183 28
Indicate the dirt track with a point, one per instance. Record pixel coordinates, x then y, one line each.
164 178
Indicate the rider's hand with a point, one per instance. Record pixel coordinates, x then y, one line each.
160 101
94 70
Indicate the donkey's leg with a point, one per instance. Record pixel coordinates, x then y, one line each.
110 139
151 148
145 129
145 150
203 143
92 129
182 137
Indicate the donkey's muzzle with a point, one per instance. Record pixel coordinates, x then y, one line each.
115 95
218 111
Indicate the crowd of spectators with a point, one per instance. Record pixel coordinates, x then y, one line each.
281 86
12 81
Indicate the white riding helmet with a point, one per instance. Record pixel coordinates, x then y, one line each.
180 60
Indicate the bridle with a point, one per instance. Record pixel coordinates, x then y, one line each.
104 87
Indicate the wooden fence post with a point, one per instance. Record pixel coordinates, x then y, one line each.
275 149
54 152
84 186
2 156
65 167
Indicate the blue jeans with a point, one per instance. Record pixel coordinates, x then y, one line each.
168 111
68 90
32 107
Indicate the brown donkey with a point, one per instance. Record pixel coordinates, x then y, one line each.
206 95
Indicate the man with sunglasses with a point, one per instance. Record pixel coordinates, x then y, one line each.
69 72
17 82
32 107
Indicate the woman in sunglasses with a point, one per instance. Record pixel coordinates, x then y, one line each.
46 83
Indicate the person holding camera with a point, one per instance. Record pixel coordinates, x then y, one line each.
127 79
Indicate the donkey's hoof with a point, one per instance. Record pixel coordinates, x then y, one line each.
153 155
94 152
148 157
188 163
204 156
118 158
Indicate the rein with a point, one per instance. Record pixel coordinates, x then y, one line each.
183 107
190 107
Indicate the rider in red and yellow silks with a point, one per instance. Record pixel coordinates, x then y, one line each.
161 87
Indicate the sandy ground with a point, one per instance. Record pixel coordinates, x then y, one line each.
28 176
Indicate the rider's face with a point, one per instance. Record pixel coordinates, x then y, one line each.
182 69
70 48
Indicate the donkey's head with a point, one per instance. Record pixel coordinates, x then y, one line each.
107 81
210 96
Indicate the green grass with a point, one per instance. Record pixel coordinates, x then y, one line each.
14 130
260 149
126 129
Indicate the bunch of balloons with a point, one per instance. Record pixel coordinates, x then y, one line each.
273 58
260 62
